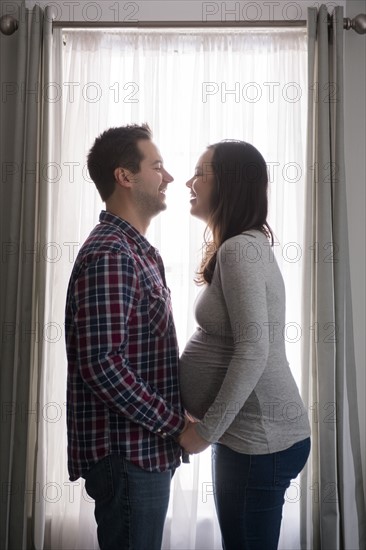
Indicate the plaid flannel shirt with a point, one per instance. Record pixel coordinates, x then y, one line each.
122 386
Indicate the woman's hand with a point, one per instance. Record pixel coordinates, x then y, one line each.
191 441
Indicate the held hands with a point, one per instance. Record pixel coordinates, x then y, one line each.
191 441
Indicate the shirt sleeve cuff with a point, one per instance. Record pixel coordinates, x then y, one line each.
171 424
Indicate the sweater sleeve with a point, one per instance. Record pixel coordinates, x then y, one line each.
240 272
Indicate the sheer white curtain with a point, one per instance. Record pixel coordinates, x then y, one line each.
193 88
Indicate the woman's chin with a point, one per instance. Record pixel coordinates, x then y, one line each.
195 211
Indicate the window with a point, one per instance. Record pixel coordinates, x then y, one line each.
194 87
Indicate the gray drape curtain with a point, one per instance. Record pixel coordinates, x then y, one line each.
22 134
333 506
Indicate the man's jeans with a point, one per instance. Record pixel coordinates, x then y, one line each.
130 504
249 493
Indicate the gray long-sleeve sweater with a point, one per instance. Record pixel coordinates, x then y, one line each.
234 373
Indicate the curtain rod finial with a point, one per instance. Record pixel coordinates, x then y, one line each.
8 24
358 23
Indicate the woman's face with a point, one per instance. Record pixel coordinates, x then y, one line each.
201 186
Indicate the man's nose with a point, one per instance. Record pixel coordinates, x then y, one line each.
167 177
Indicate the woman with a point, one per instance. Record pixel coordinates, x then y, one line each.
235 378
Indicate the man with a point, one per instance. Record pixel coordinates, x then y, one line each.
124 413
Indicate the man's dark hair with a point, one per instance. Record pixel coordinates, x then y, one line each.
114 148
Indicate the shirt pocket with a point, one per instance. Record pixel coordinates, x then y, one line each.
159 311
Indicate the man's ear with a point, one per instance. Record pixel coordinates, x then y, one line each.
123 177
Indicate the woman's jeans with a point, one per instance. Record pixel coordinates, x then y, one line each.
249 493
130 504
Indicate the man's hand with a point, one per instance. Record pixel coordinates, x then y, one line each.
191 441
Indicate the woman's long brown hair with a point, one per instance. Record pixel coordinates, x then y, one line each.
239 201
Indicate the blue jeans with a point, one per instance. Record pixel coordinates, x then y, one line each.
249 493
130 504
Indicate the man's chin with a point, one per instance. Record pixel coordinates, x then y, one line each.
160 207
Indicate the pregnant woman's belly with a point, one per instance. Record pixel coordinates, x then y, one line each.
199 387
202 369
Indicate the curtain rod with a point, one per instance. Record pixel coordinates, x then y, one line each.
8 24
177 24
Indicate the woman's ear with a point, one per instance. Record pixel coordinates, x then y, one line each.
123 177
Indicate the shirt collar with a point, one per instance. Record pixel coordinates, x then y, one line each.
142 243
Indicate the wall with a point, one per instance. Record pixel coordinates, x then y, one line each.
355 147
187 10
